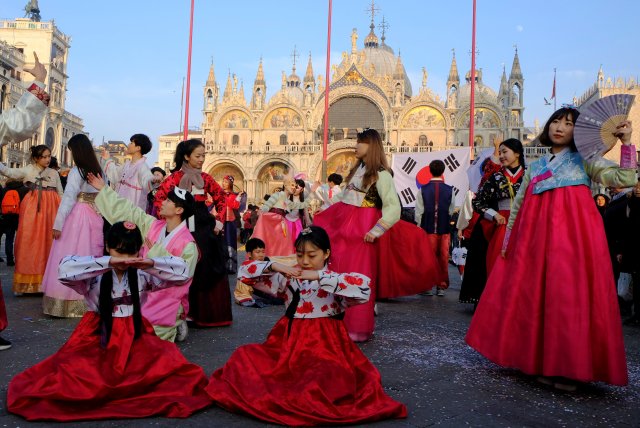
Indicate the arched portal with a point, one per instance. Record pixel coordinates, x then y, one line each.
270 178
348 114
219 171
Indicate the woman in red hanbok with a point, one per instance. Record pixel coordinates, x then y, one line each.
369 237
550 306
308 371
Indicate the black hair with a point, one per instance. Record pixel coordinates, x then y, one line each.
300 183
254 243
558 114
515 145
160 170
266 197
335 179
314 235
127 241
142 141
38 151
185 148
188 204
54 163
84 156
436 167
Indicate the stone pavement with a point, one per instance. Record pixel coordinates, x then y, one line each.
418 347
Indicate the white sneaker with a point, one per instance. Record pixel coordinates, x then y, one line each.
440 292
375 309
182 331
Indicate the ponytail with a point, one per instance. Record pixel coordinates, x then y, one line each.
105 305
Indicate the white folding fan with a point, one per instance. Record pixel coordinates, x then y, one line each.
595 130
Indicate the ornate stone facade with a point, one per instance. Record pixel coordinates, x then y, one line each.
261 140
52 46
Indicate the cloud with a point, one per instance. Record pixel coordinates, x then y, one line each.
519 28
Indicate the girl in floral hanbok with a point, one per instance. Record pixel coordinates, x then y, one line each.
113 365
308 372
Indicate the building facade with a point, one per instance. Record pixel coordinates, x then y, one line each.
24 36
261 140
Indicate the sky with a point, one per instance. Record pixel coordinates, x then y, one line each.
128 59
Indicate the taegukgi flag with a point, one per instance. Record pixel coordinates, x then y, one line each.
411 171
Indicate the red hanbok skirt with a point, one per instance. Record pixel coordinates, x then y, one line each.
313 376
131 378
400 263
550 308
495 237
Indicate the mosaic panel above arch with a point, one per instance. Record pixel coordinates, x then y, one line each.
273 171
341 163
218 172
283 118
423 117
484 118
235 119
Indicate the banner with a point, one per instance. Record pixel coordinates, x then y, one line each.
411 171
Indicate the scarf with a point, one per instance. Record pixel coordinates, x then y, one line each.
192 178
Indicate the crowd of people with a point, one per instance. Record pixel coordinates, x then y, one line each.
141 255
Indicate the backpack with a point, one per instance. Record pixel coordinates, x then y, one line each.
11 202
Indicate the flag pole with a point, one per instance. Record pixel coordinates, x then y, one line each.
325 139
186 109
473 83
554 89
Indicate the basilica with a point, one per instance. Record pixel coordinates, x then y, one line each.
258 140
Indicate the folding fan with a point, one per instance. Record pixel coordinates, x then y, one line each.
595 129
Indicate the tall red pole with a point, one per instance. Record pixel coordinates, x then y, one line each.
186 109
472 110
325 140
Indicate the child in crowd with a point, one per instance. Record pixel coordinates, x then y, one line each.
113 365
133 180
308 372
255 249
166 308
326 192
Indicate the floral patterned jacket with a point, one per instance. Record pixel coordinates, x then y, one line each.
327 297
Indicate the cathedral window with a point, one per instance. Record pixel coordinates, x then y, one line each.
235 140
283 140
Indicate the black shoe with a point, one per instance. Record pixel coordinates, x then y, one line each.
1 260
11 263
4 344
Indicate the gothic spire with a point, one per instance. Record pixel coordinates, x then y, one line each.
260 75
228 89
308 77
399 71
516 71
211 80
504 87
453 70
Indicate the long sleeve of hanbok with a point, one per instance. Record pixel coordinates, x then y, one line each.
112 171
269 203
77 272
115 208
419 209
390 204
15 173
484 198
168 271
69 197
352 287
612 175
145 178
466 212
19 123
259 276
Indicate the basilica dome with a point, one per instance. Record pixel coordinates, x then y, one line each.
382 58
484 94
